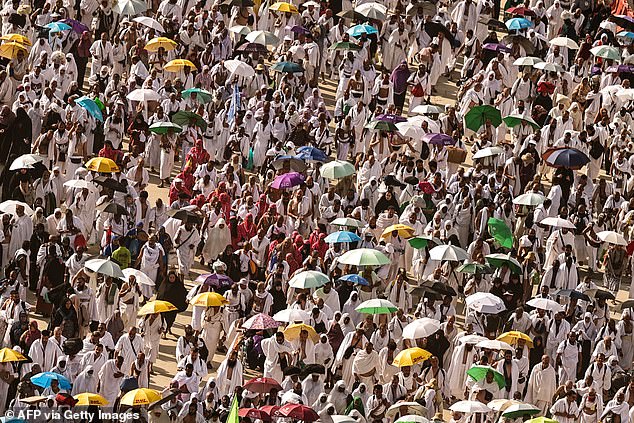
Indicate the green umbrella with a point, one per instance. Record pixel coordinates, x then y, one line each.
381 125
183 117
478 373
514 120
499 260
364 257
162 127
501 232
477 116
345 45
202 96
419 242
607 52
474 269
337 169
520 410
377 306
100 104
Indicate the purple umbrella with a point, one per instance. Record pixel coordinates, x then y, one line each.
297 29
252 48
620 68
439 139
215 279
287 180
77 26
391 118
497 47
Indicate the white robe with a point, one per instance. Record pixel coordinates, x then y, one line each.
47 356
224 385
129 349
272 350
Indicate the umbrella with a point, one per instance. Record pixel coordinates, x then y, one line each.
549 67
520 10
129 7
527 61
57 27
569 158
345 45
373 10
364 257
293 330
11 49
624 21
572 294
308 279
499 260
404 408
448 253
346 221
404 231
381 125
115 208
88 399
376 306
209 299
310 153
254 414
612 237
471 339
240 29
607 52
289 162
337 169
468 406
150 23
290 315
557 222
520 410
163 127
283 7
263 37
287 180
495 25
497 47
155 43
624 34
427 109
342 236
260 321
352 15
358 30
478 115
18 38
183 117
422 241
520 40
297 29
143 95
91 107
541 419
354 278
156 306
602 294
262 385
530 199
252 48
7 355
433 28
178 65
141 396
186 215
545 304
412 419
488 152
564 42
105 267
9 207
44 379
484 302
299 412
102 165
513 120
474 268
410 357
494 344
239 68
79 184
388 117
500 232
289 67
216 280
518 24
512 337
438 139
478 373
26 161
140 277
627 304
237 3
421 328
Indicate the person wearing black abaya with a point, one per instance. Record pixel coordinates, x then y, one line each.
172 290
20 133
384 203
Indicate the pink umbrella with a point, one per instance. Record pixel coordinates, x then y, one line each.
260 322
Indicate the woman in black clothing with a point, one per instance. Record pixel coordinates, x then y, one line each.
173 290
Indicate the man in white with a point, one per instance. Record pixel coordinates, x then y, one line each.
565 410
542 385
95 358
22 229
101 51
186 239
509 368
229 375
312 386
569 355
366 365
303 349
461 361
110 379
275 348
617 406
128 347
601 374
558 331
45 352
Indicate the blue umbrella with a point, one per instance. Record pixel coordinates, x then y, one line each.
287 67
518 23
570 158
43 380
308 152
90 106
354 278
357 30
57 26
342 236
626 34
11 420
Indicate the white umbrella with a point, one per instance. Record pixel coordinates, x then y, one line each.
470 407
411 418
521 407
263 37
80 184
239 68
141 277
291 315
240 29
405 408
427 109
341 418
564 42
373 10
129 7
545 304
431 124
346 221
494 344
501 404
149 22
421 328
529 199
308 279
10 205
488 152
549 67
408 129
557 222
527 61
26 161
612 237
105 267
471 339
448 253
484 302
143 95
610 26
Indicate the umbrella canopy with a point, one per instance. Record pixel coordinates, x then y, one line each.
373 10
423 241
606 52
292 332
470 407
164 127
558 222
82 184
545 304
129 7
512 337
287 180
478 115
572 294
570 158
253 48
7 355
527 61
105 267
364 257
91 107
345 45
337 169
346 221
484 302
500 232
342 236
308 279
299 412
438 139
404 408
155 43
520 10
427 109
311 153
10 206
260 321
156 306
488 152
57 27
290 315
358 30
239 68
102 165
289 162
141 396
354 278
410 357
262 385
520 410
351 14
18 38
254 414
412 418
263 37
88 399
612 237
518 24
448 253
474 269
11 49
548 67
530 199
143 95
240 29
283 6
26 161
178 65
421 328
209 299
514 120
217 280
376 306
564 42
381 125
44 379
404 231
541 419
140 277
479 373
494 344
185 117
150 23
500 260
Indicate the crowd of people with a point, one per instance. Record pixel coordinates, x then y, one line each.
370 254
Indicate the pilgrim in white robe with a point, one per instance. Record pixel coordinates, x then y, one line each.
366 366
128 348
110 377
45 355
228 377
272 350
542 385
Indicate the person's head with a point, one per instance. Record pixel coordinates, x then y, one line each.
279 337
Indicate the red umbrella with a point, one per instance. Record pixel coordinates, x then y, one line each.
260 322
299 412
271 410
426 187
254 413
521 11
262 385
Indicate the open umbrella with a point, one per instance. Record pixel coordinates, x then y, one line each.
299 412
140 277
289 162
518 24
354 278
216 280
209 299
141 396
421 328
290 315
185 117
129 7
376 306
484 302
520 10
57 27
606 52
433 28
564 42
252 48
10 206
419 242
346 221
26 161
260 321
520 410
381 125
572 294
143 95
18 38
499 260
479 373
427 109
541 419
102 165
91 107
263 37
497 47
530 199
494 344
439 139
545 304
311 153
239 68
474 268
44 379
404 408
527 61
358 30
262 385
512 337
345 45
202 96
514 120
352 15
373 10
156 306
283 7
308 279
448 253
293 330
254 414
337 169
410 357
624 21
342 236
11 49
88 399
468 406
548 67
105 267
160 42
287 180
412 418
500 232
478 115
520 40
240 29
164 127
150 23
404 231
557 222
488 152
364 257
612 237
564 157
8 355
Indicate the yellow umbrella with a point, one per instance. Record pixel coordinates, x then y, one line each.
513 336
403 230
8 355
88 398
17 38
141 396
282 6
411 356
157 306
209 299
11 49
102 164
292 332
177 65
155 43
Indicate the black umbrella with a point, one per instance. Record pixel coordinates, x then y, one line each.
252 48
627 304
185 215
572 294
115 209
291 370
17 19
411 180
427 7
351 14
441 288
110 183
433 28
313 369
625 22
521 40
606 295
495 25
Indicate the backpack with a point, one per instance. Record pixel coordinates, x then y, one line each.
596 149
